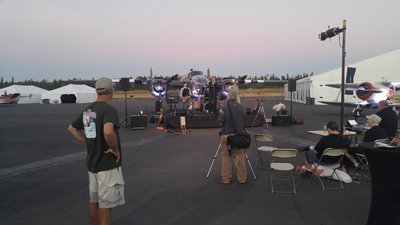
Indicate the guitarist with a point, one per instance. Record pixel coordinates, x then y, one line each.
184 94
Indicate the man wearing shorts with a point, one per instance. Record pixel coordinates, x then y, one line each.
97 126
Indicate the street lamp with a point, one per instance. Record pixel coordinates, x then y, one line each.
329 34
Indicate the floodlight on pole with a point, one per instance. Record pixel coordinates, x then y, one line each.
329 34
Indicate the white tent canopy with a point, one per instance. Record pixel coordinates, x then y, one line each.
29 93
83 93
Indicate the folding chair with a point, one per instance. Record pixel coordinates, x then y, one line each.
334 166
283 161
262 142
362 160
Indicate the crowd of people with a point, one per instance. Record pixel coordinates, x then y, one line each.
97 126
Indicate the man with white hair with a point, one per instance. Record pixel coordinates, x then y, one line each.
374 133
231 122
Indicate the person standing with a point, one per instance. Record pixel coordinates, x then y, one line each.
184 94
229 153
97 126
213 89
389 118
235 87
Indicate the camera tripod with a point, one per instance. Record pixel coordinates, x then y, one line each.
260 111
215 156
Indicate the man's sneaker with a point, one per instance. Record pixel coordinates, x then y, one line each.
222 181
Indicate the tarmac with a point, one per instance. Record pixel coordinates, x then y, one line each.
43 178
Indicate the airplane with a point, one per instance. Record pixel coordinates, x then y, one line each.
10 98
370 94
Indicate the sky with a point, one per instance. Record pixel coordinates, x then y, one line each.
86 39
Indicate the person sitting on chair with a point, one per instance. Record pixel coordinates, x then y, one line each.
389 118
184 94
333 140
374 133
225 119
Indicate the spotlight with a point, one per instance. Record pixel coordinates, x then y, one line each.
330 33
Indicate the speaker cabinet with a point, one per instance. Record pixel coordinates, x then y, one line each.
138 121
124 84
292 85
281 120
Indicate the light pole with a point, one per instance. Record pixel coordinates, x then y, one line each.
329 34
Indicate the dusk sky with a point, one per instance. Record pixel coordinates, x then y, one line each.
62 39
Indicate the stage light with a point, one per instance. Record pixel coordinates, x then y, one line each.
330 33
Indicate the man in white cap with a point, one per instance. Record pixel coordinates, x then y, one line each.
97 126
374 133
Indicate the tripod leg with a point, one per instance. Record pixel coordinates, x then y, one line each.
212 163
251 168
265 117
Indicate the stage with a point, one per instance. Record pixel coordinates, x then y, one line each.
208 120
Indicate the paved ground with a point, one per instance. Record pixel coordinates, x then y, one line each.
43 179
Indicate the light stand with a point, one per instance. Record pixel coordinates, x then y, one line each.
125 87
328 34
260 111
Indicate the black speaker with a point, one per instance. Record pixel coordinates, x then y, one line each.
180 112
138 121
248 111
292 85
281 120
124 84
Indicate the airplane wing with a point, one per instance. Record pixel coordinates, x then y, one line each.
345 103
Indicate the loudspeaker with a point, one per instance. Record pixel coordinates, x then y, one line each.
281 120
180 112
248 111
124 84
138 121
292 85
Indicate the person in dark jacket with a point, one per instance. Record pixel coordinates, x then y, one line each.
332 140
389 118
231 153
374 133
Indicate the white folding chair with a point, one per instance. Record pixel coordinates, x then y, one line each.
263 144
283 161
334 166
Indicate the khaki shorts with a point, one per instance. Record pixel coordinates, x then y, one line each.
107 188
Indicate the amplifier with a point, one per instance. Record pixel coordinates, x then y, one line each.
281 120
138 121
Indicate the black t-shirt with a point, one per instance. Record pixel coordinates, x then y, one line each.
224 117
376 132
331 141
92 121
389 121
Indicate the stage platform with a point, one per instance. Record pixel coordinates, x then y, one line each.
208 120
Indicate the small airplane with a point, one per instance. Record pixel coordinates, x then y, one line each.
10 98
197 81
370 94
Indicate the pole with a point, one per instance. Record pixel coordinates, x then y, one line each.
126 112
342 85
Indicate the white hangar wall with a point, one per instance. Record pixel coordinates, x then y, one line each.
385 67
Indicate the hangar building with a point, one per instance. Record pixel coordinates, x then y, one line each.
312 90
